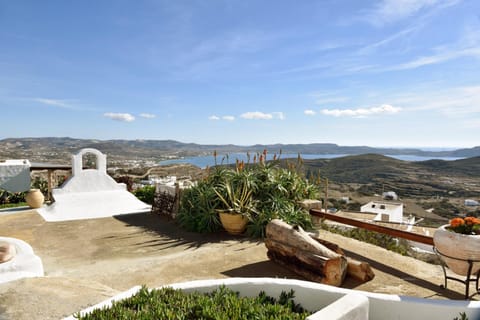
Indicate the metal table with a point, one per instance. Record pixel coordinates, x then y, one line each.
469 275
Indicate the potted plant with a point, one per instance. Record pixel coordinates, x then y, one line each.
237 205
458 244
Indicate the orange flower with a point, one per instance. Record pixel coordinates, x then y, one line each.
470 220
456 222
467 225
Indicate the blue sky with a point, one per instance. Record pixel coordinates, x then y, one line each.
378 73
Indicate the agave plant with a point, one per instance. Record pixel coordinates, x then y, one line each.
236 198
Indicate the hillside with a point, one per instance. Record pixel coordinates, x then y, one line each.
413 179
373 171
59 149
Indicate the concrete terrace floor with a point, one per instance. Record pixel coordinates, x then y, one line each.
87 261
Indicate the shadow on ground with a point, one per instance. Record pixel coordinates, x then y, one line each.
166 233
435 287
262 269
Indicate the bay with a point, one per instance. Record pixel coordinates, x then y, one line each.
209 161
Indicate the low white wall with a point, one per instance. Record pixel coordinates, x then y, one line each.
352 306
25 264
314 296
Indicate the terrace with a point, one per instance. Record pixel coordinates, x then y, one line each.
87 261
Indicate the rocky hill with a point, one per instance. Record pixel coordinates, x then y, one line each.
373 171
460 178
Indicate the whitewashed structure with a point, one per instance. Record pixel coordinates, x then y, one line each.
471 203
24 264
386 211
390 195
91 193
329 302
15 175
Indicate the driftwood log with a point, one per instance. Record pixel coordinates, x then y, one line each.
295 249
356 269
312 258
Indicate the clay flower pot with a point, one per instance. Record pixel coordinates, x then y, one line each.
456 249
233 223
34 198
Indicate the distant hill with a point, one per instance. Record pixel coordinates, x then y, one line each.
61 148
423 178
365 166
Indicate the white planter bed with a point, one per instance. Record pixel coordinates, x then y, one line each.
315 296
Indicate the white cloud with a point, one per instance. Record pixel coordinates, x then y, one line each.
389 11
309 112
451 102
362 112
279 115
54 103
125 117
226 118
147 115
257 115
386 41
439 57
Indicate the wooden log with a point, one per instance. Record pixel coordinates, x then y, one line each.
331 271
330 245
295 236
297 268
297 250
359 270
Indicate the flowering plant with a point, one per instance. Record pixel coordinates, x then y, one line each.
467 225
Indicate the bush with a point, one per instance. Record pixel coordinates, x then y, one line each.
12 199
145 194
223 303
42 184
376 238
275 191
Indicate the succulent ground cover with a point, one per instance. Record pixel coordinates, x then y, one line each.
223 303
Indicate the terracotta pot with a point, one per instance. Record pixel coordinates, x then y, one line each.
234 223
456 249
34 198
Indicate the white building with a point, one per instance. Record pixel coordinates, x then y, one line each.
386 211
390 195
471 203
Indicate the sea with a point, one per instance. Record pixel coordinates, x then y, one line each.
209 161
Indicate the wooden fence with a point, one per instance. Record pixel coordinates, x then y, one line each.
374 227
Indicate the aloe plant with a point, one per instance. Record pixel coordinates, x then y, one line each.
236 199
261 191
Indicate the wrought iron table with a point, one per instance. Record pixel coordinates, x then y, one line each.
469 275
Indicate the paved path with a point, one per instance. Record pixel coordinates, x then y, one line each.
87 261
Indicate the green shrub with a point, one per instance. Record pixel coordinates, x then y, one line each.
223 303
11 199
42 184
376 238
145 194
197 208
275 192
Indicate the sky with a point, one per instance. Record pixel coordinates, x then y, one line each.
396 73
